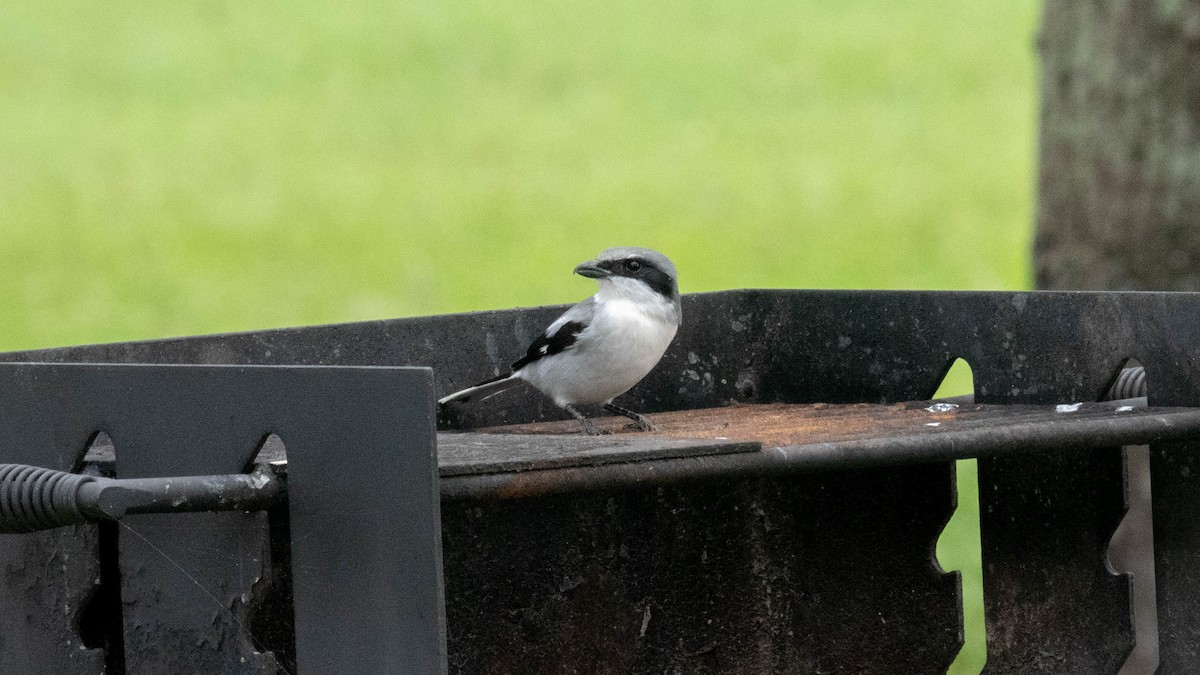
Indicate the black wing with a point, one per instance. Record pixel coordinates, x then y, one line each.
549 344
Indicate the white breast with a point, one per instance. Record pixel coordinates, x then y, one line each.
624 341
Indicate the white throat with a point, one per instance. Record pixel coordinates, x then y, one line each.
641 296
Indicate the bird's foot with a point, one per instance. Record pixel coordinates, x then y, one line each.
640 422
643 424
589 428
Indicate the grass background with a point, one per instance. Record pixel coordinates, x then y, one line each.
192 167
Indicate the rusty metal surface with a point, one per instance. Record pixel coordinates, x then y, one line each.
520 461
461 454
783 425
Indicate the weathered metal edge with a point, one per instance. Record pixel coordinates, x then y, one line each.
1140 429
576 451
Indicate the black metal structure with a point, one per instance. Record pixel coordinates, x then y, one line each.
635 556
183 592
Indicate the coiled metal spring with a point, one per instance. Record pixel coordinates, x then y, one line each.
1131 383
33 498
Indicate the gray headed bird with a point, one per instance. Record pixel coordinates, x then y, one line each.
601 347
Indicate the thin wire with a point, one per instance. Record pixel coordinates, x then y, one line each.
216 601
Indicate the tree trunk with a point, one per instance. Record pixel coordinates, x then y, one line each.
1119 184
1119 193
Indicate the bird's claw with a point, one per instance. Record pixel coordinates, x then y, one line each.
644 425
589 428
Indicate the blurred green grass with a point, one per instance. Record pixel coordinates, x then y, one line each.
959 548
192 167
210 166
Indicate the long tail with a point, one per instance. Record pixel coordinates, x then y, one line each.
485 388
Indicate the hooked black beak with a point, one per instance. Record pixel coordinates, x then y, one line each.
592 270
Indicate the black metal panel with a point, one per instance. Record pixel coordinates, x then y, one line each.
191 581
795 346
870 597
1166 345
188 581
1022 348
1171 371
50 580
828 573
1175 494
363 493
1052 604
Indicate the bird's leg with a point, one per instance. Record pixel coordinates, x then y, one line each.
589 427
641 421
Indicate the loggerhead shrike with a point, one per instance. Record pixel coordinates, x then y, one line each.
604 345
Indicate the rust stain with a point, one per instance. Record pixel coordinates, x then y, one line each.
777 424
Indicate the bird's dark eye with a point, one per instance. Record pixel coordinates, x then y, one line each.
632 265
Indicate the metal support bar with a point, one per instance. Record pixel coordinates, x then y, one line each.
977 431
33 498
